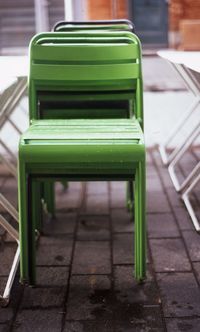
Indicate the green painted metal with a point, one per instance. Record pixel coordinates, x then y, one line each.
116 24
86 148
97 56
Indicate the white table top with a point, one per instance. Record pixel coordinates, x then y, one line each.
181 57
14 66
194 65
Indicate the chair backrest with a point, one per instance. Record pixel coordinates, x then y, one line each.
95 25
93 63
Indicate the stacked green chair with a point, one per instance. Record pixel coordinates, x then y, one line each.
117 25
82 149
110 110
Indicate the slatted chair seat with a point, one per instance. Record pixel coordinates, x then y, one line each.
104 143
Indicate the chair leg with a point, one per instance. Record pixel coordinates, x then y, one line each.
65 185
49 197
130 197
23 223
33 187
37 206
140 222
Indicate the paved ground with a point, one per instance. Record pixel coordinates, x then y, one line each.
85 263
85 257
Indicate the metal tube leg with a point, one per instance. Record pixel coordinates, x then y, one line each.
23 223
9 207
49 197
130 198
162 147
190 177
179 155
33 215
186 200
37 205
4 300
9 228
140 222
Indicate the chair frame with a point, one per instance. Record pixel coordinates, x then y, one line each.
28 177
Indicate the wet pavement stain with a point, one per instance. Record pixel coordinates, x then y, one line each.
122 313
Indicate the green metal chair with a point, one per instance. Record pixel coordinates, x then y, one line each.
118 25
87 148
68 108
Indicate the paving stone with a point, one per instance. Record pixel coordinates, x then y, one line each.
118 194
92 257
161 225
7 253
4 328
157 203
180 294
69 199
197 270
122 221
89 326
183 218
40 297
182 324
38 320
153 183
167 182
193 244
64 223
89 298
123 249
139 318
93 228
174 198
2 230
54 251
52 276
7 313
169 255
97 187
128 290
97 204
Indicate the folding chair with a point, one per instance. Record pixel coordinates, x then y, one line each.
74 149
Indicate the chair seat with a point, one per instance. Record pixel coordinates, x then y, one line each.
83 144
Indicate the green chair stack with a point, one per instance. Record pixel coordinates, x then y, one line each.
101 109
69 67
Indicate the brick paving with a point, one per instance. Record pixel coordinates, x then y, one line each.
85 257
85 263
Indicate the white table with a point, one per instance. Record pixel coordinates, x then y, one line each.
187 64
